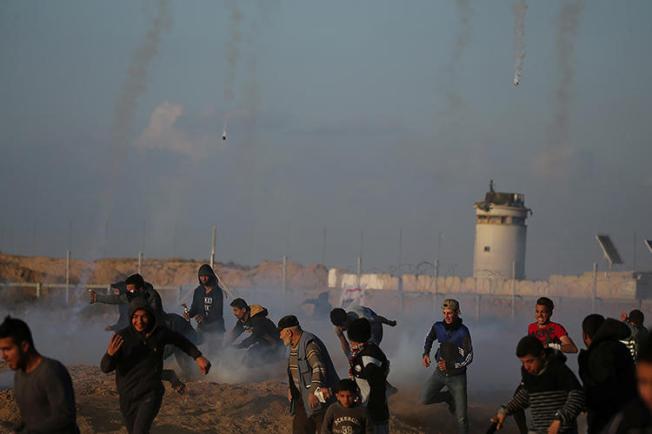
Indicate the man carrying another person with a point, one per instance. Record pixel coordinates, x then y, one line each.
455 353
207 308
549 389
369 368
42 386
311 373
341 320
263 341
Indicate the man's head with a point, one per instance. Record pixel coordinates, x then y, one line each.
359 332
636 317
16 342
450 309
644 372
206 275
240 309
135 283
141 320
346 393
590 326
543 310
289 330
531 354
339 318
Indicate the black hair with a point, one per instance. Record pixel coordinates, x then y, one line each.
636 317
545 301
591 324
239 303
338 317
17 330
347 385
529 346
135 279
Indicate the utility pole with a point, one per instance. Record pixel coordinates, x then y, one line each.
213 241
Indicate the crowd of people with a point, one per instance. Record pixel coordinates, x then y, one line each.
614 386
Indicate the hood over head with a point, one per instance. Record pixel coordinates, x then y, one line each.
139 303
206 270
611 330
257 310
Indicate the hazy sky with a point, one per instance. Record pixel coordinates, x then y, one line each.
367 115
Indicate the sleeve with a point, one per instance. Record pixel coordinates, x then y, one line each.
573 406
156 302
430 339
560 331
108 363
575 400
195 308
61 397
520 401
179 341
111 298
327 424
466 351
314 358
531 329
236 331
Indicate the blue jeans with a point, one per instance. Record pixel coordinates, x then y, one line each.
455 394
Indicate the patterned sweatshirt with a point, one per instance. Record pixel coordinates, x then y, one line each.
553 393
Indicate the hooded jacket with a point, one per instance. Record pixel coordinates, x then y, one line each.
608 373
454 345
263 331
209 305
139 361
148 293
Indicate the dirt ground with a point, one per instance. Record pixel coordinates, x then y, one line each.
209 407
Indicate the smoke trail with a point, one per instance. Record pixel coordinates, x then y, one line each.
559 151
463 8
566 36
520 8
232 49
464 33
124 111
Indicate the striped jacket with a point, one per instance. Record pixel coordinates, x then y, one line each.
553 393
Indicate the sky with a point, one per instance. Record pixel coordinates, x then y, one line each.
349 122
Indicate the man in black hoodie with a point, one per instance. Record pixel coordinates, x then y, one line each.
636 416
133 286
207 308
263 341
136 354
606 369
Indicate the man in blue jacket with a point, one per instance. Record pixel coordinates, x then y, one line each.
455 353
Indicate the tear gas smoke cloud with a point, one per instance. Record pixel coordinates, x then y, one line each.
520 9
462 38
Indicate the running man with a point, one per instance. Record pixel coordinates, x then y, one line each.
551 334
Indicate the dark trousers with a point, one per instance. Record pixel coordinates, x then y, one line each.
302 424
139 414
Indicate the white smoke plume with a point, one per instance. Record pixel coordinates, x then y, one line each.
133 87
520 9
560 151
462 38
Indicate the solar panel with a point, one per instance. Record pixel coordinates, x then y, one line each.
648 244
609 249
